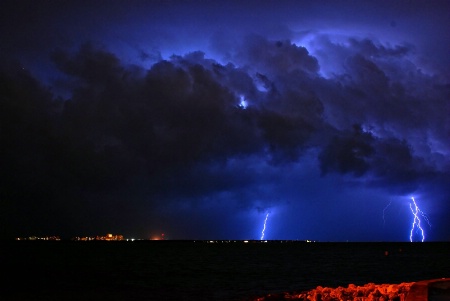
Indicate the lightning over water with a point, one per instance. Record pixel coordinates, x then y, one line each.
264 228
384 210
417 213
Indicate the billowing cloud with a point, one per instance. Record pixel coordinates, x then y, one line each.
262 124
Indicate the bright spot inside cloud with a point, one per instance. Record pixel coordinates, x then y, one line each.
243 103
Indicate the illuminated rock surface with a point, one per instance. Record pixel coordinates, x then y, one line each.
367 292
426 290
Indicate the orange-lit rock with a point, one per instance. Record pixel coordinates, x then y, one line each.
367 292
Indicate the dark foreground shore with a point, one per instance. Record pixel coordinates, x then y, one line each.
189 270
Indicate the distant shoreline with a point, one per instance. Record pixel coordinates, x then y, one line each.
226 241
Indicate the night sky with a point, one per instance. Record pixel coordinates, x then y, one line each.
196 119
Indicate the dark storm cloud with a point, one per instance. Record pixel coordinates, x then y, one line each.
388 163
170 117
348 154
176 114
392 102
168 124
108 140
275 57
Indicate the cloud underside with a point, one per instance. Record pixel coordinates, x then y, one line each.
179 130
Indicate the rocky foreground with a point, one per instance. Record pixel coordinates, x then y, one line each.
367 292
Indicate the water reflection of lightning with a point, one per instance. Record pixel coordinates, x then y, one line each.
264 228
417 213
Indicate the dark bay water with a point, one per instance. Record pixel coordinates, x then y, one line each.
185 270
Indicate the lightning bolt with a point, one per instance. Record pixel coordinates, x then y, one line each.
384 210
417 213
264 228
